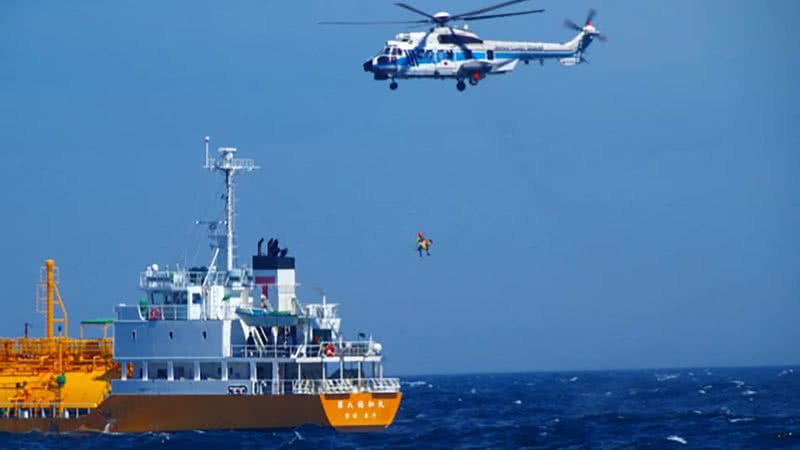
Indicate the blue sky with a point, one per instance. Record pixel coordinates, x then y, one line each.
638 211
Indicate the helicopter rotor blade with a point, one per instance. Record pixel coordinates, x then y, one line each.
378 22
495 16
590 16
602 37
570 24
487 9
412 9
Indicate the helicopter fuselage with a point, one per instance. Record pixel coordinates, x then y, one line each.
446 52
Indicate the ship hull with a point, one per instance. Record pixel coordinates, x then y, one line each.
166 413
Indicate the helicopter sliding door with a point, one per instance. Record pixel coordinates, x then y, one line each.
446 63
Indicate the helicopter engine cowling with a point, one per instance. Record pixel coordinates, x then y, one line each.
474 69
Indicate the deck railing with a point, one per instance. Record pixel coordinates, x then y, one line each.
346 385
33 410
323 349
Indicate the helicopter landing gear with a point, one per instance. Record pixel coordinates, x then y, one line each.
460 85
393 85
473 81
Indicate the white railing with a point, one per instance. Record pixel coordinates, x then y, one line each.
152 312
31 410
346 385
323 349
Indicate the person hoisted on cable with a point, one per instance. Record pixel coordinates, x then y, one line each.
423 244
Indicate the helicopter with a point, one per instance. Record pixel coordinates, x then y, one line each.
446 52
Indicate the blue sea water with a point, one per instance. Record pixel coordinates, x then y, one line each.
650 409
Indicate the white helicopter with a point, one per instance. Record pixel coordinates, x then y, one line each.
446 52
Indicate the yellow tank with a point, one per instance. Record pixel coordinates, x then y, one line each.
46 376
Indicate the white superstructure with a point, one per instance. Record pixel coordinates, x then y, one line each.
238 329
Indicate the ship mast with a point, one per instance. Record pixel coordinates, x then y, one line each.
228 165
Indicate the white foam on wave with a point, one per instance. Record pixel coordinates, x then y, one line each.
749 392
738 383
668 376
785 372
573 379
676 438
697 411
414 383
708 387
473 391
741 419
517 402
701 392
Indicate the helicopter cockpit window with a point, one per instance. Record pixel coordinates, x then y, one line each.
386 50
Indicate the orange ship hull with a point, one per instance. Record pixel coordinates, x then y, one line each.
149 413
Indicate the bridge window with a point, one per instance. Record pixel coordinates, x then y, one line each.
490 55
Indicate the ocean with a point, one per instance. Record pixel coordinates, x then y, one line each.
714 408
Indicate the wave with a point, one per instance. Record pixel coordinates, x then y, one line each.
676 438
665 377
741 419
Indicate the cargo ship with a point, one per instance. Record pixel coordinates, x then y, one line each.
221 346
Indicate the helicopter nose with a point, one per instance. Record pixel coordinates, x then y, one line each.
368 66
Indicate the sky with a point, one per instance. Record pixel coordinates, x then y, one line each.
638 211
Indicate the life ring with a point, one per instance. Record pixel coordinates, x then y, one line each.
330 350
155 314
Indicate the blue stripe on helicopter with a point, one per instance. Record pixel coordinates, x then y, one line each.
408 61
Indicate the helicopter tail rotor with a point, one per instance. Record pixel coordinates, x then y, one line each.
588 27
